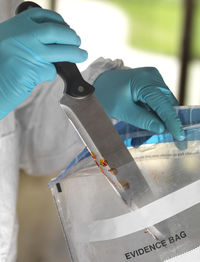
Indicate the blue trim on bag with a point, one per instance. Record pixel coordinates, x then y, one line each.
134 137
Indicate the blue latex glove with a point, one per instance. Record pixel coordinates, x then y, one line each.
29 43
127 95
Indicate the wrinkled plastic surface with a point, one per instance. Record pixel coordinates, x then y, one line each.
98 226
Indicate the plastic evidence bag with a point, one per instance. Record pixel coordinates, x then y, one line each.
99 226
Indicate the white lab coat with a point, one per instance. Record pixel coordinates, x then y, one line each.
36 137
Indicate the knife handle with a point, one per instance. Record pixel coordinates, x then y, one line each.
74 83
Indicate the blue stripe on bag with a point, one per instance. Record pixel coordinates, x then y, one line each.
134 137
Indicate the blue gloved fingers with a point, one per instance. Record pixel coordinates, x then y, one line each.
133 114
120 92
40 15
51 33
161 105
38 71
59 53
30 42
172 99
145 77
43 72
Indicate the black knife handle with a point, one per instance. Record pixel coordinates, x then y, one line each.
25 5
75 85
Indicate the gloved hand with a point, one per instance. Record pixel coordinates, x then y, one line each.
127 95
29 43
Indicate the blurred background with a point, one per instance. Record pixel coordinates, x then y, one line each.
160 33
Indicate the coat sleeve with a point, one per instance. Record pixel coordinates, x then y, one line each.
48 142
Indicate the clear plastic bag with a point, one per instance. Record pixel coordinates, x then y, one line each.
97 224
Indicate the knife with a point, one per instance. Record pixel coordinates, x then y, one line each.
100 137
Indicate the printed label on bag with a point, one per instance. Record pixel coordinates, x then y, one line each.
157 245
